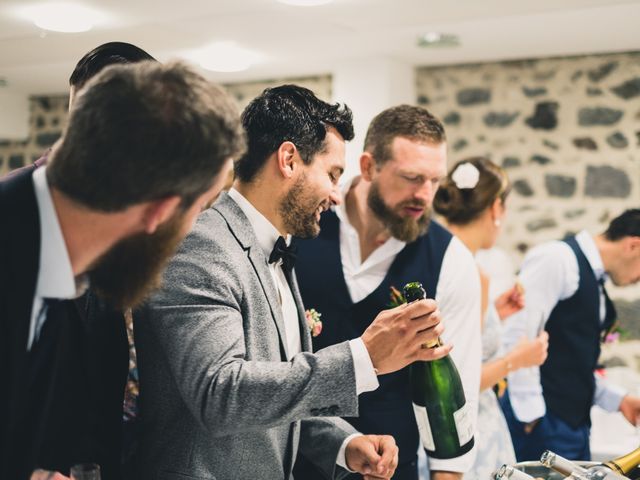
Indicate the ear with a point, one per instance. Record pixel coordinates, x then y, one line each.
633 245
285 156
367 166
159 211
496 209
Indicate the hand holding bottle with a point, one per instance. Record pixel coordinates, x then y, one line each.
396 337
529 353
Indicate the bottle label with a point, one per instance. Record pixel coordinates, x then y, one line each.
422 419
464 425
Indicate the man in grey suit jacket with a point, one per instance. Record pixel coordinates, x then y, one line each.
229 386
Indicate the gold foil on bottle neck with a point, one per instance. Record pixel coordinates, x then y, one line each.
433 343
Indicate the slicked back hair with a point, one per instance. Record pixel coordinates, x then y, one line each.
102 56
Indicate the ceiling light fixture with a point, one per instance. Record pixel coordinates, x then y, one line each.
226 57
305 3
62 17
437 39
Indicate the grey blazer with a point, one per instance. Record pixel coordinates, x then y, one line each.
218 398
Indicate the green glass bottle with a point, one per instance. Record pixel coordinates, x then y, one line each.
442 413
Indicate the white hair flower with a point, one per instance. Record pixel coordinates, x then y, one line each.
466 176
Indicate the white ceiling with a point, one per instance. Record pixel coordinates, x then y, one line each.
308 40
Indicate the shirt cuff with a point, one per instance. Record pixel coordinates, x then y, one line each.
341 461
366 378
608 397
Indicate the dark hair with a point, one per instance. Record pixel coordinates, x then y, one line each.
409 121
463 205
288 113
106 54
143 132
625 225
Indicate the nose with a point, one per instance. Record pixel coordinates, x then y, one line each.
335 197
426 192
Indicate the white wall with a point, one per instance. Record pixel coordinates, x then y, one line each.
368 86
14 115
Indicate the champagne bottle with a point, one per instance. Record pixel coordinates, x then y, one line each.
507 472
626 465
569 468
442 413
560 464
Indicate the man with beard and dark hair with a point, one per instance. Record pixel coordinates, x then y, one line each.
111 328
145 146
381 238
230 388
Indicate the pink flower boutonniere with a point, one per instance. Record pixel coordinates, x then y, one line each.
614 334
313 321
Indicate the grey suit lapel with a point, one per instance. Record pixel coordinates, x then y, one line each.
244 233
305 335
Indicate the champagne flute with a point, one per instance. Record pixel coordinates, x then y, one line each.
85 471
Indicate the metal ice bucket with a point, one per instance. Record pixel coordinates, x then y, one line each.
537 470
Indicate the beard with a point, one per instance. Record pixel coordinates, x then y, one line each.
403 228
298 210
132 269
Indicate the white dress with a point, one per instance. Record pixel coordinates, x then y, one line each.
492 439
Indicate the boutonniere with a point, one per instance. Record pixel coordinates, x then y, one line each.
396 297
614 334
313 321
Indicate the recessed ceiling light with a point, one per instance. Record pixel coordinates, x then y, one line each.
226 57
305 3
63 17
437 39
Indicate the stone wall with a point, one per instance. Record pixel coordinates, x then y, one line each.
48 115
567 131
46 120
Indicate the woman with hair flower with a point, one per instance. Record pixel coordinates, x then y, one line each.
472 201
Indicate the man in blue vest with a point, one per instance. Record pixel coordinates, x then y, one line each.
564 281
380 238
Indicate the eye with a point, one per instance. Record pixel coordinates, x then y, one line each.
412 178
333 177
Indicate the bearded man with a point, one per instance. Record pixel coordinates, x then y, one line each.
145 147
381 238
229 387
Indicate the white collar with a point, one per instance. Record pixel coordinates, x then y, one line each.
265 232
55 278
590 250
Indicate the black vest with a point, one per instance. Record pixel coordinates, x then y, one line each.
575 329
387 410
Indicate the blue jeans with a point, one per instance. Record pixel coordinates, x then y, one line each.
550 433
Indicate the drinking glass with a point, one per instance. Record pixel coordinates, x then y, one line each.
85 471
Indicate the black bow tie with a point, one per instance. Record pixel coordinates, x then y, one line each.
284 252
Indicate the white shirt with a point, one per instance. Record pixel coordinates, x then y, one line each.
549 274
458 297
267 234
55 275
